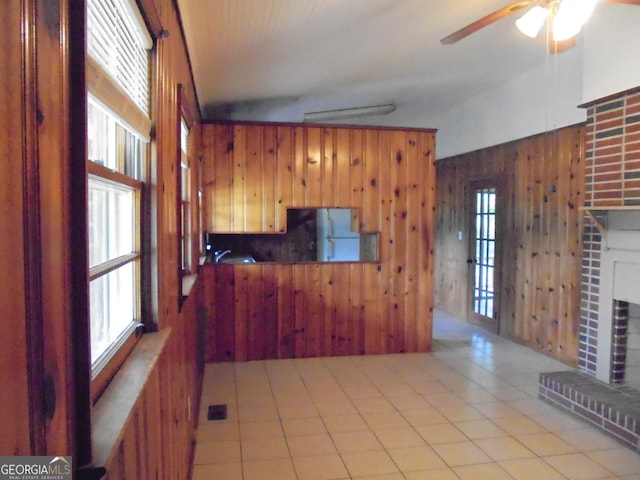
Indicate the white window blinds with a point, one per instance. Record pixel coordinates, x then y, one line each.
119 42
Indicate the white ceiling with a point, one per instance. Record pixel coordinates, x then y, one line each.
276 59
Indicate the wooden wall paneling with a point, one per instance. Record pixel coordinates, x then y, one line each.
254 199
151 430
552 249
299 194
271 320
171 68
371 214
356 302
561 196
284 175
568 231
453 217
240 317
385 319
342 314
47 60
327 166
541 272
555 249
426 248
399 217
546 269
523 323
342 168
18 427
355 162
168 420
508 231
356 176
208 277
210 190
445 225
218 188
300 310
522 259
329 310
329 195
535 311
350 189
239 179
371 194
314 163
225 314
371 325
130 446
139 426
181 391
55 198
536 240
574 239
412 217
285 311
254 295
271 210
314 310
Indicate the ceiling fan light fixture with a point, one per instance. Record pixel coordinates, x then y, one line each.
570 17
531 22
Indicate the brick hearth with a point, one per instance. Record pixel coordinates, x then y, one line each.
614 408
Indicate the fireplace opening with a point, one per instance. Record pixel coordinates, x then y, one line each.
625 349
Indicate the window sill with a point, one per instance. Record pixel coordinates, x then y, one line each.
114 409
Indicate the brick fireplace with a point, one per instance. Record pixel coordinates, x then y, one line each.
612 185
609 397
610 283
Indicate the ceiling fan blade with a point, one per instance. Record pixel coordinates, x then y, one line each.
561 46
487 20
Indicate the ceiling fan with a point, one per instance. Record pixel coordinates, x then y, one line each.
566 18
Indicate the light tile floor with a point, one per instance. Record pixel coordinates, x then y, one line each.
467 410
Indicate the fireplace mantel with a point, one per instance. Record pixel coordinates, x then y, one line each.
600 216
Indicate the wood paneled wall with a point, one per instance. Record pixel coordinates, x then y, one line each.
179 369
157 437
44 346
42 172
542 186
252 173
16 438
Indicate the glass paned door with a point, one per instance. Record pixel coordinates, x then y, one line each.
483 257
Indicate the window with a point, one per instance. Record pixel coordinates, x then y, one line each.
185 191
118 134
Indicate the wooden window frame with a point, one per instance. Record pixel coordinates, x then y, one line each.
184 113
106 90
